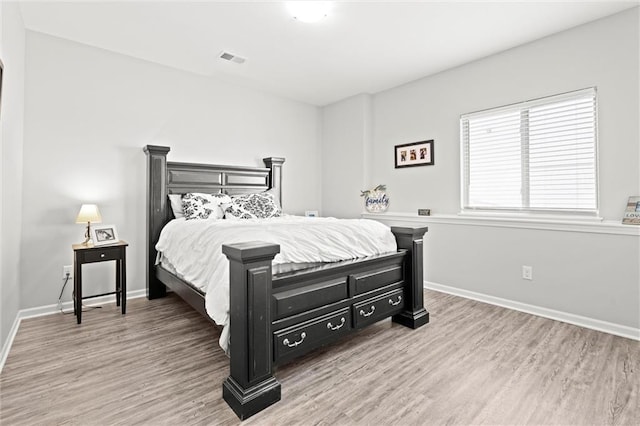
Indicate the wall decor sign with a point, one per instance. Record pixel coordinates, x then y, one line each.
632 212
414 154
104 234
375 200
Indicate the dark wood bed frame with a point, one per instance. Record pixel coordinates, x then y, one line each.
281 312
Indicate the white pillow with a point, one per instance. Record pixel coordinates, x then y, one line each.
196 205
176 205
252 206
276 197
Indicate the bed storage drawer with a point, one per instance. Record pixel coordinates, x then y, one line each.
377 308
364 282
293 341
294 301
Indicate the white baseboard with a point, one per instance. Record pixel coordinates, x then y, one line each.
68 306
53 309
594 324
7 344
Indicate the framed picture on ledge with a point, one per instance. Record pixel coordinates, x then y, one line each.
414 154
632 212
104 234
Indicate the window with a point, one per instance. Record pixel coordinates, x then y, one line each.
535 156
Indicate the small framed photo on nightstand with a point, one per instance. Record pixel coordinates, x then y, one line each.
104 234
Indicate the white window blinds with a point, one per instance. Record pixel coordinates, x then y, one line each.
535 156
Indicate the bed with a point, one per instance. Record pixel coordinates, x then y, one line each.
277 313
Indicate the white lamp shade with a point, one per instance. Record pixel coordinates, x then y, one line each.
89 213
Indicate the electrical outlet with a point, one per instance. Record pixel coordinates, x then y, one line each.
68 269
527 272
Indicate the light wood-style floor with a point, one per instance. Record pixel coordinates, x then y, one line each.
473 364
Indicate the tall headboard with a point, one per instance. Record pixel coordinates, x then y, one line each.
165 177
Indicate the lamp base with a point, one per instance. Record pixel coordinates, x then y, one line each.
87 236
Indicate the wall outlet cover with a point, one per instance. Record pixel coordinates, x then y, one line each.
67 269
527 272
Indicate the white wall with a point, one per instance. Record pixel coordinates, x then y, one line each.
596 275
88 114
12 52
346 155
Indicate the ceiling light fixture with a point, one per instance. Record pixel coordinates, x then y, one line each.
309 11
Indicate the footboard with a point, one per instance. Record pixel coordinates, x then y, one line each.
275 319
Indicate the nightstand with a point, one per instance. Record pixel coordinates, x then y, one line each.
90 254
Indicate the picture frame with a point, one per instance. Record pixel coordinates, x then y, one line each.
414 154
103 235
632 212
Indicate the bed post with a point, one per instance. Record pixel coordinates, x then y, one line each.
410 239
156 213
275 176
251 386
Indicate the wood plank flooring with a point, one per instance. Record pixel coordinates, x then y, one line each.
473 364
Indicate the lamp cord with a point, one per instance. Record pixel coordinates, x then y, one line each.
73 295
66 280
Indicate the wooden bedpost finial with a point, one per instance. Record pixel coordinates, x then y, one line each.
156 149
275 176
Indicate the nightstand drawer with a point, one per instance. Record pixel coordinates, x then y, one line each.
101 254
377 308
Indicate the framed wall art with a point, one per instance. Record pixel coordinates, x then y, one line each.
414 154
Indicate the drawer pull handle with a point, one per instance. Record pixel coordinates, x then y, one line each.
392 303
337 327
101 254
296 343
368 314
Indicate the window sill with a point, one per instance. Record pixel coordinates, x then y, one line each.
580 224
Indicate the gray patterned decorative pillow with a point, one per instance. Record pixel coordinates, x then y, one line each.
252 206
197 205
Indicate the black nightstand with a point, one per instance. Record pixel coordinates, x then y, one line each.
90 254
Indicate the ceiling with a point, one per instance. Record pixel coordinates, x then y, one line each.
360 47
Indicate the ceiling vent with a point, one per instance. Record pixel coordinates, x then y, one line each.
231 57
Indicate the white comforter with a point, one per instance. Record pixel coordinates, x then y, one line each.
192 248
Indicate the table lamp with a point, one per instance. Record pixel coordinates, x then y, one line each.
88 213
